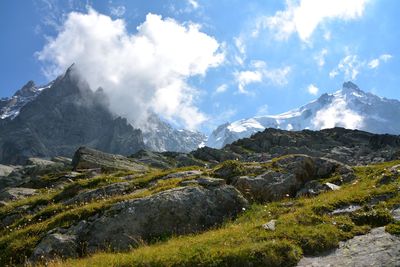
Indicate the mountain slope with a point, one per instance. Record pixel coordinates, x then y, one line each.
161 137
349 107
61 118
54 120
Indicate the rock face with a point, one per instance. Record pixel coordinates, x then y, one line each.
99 193
376 114
64 116
292 173
176 211
55 245
352 147
163 137
87 158
11 194
377 248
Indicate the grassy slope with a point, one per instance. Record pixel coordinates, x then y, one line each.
303 225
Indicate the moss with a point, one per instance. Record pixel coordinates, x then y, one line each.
229 169
393 228
372 217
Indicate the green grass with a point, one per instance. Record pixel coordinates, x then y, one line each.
303 226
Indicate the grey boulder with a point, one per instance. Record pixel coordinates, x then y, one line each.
176 211
288 176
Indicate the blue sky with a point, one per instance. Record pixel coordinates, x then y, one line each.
249 57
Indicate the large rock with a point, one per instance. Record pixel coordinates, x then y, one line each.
87 158
377 248
5 170
11 194
55 245
177 211
99 193
287 177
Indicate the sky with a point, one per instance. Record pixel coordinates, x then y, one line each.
201 63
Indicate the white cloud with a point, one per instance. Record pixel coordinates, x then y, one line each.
141 72
327 35
312 89
247 77
337 115
221 89
320 57
278 76
374 63
350 66
117 11
194 4
259 72
304 16
240 45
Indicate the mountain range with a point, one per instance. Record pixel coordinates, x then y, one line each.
349 107
57 118
54 120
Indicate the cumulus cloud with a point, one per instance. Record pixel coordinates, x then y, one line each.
374 63
337 115
142 72
259 72
304 16
312 89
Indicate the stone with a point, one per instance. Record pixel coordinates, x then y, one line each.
11 194
287 178
39 162
376 248
182 174
396 213
55 245
204 181
5 170
87 158
173 212
99 193
271 225
346 210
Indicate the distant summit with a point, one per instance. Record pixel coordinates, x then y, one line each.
349 107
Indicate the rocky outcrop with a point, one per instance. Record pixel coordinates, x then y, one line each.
287 177
64 116
176 211
352 147
99 193
87 158
377 248
11 194
55 245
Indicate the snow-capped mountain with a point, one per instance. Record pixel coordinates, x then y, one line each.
10 107
349 107
161 136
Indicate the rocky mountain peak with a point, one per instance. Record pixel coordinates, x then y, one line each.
349 107
29 89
